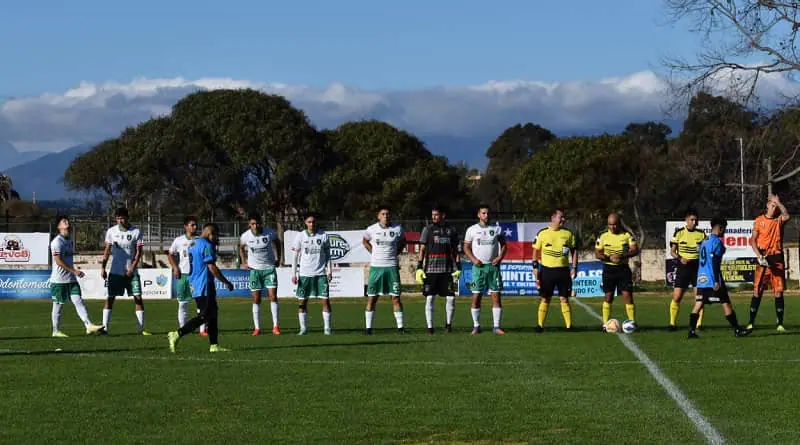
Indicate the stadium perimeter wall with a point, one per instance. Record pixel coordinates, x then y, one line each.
651 264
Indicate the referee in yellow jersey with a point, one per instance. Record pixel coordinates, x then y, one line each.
553 250
614 247
684 247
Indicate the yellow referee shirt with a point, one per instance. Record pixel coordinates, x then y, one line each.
555 246
615 243
688 242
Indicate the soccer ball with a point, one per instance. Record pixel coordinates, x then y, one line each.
628 326
612 325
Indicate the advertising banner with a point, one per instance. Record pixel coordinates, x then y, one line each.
346 246
24 284
156 285
518 279
346 282
24 249
739 262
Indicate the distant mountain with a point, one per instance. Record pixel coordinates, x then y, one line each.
11 157
44 175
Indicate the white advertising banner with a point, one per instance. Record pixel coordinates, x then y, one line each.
23 249
156 285
345 282
346 246
736 239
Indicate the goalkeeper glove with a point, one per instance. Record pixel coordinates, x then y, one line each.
762 261
420 275
456 274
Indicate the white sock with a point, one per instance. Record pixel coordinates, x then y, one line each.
429 311
326 319
139 321
273 306
398 317
202 326
80 308
303 317
497 313
256 316
55 316
369 316
450 309
476 317
183 313
106 318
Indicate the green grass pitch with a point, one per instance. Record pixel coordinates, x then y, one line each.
522 388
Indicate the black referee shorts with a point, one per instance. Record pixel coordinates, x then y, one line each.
440 284
686 274
618 278
709 296
552 278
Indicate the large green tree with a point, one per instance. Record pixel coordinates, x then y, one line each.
98 170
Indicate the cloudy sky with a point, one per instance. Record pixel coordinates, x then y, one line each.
451 70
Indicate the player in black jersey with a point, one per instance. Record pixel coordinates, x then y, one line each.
438 265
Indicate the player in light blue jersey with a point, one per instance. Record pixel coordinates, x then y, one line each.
711 286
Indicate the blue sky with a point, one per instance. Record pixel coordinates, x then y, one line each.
368 44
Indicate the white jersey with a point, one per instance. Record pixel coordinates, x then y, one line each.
62 247
384 241
314 253
180 247
484 241
260 255
123 247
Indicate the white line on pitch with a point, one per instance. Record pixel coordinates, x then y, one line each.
711 434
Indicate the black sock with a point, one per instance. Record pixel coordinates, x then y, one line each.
733 321
213 331
779 310
754 303
191 325
693 321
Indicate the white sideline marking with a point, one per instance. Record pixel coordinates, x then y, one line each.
711 434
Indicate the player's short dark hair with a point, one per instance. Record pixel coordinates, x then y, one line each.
60 218
189 219
438 208
483 206
383 207
718 221
557 210
211 226
254 217
307 215
690 212
121 211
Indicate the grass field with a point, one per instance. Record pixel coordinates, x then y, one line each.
522 388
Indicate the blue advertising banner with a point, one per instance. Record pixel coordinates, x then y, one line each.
24 284
239 278
518 279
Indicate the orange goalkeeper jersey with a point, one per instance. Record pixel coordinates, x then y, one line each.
769 234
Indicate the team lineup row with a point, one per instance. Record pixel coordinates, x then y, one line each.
193 260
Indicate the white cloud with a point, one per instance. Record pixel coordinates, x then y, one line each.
92 111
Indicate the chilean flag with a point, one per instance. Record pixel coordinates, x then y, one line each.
519 239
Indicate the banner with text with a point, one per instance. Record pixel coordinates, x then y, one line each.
346 246
156 285
23 249
24 284
518 279
346 282
739 262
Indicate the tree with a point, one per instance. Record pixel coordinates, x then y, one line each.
510 150
7 192
376 164
98 170
277 151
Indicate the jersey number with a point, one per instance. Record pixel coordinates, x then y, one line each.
703 257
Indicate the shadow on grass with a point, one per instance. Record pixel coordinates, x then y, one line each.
62 351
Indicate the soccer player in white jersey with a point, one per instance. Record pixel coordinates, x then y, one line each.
312 253
64 280
260 250
384 240
485 246
178 256
124 244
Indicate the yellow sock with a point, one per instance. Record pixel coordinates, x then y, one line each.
567 313
542 313
700 317
630 309
674 308
606 311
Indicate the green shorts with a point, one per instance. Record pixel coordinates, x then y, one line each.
383 281
183 288
263 279
486 278
118 285
62 293
312 287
